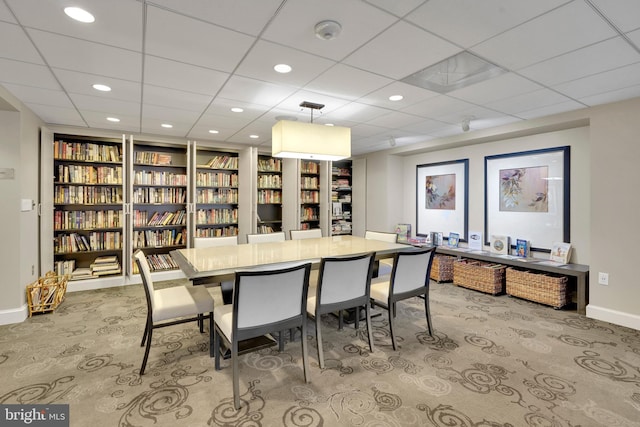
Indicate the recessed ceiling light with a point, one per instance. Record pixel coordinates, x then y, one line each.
282 68
396 98
101 87
237 110
213 131
254 136
166 125
79 14
113 119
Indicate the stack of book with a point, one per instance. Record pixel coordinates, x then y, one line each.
105 265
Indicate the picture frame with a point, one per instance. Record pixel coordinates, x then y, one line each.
527 194
442 198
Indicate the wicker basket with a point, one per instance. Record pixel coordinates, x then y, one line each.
545 288
442 268
46 293
481 276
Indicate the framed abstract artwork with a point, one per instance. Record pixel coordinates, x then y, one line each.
527 196
442 198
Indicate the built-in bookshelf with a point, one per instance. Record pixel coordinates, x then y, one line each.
269 194
88 205
216 194
309 194
341 197
159 201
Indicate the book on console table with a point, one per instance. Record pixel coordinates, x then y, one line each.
475 240
561 252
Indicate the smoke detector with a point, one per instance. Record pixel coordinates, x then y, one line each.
328 30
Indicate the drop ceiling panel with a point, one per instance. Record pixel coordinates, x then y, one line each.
57 115
81 83
212 122
165 97
36 95
634 36
26 74
194 42
548 110
437 107
264 56
20 48
153 126
411 95
293 102
501 87
255 92
79 55
294 26
347 82
5 14
226 13
562 30
221 107
604 82
528 101
622 13
170 115
469 22
398 8
355 112
98 119
396 119
615 95
612 53
408 49
118 22
181 76
106 105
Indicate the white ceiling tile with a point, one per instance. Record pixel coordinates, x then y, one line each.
437 107
226 13
221 107
501 87
365 130
26 74
355 112
612 53
20 48
411 95
184 77
98 120
468 22
491 122
173 116
37 95
612 96
110 106
551 109
164 97
153 126
634 36
118 22
81 83
398 8
255 92
88 57
474 112
599 83
347 82
5 14
408 49
622 13
395 119
292 103
567 28
57 115
294 26
425 127
527 101
264 56
192 41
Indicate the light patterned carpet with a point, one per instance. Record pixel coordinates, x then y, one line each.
493 361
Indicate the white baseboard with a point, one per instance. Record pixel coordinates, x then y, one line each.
14 315
613 316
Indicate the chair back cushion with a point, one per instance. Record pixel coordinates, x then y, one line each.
267 237
378 235
314 233
262 296
411 270
343 279
208 242
145 273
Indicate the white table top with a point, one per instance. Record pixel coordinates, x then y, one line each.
220 260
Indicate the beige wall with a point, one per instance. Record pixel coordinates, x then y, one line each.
605 177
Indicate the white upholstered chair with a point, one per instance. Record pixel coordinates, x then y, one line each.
312 233
226 288
278 236
171 306
343 284
409 278
284 286
383 266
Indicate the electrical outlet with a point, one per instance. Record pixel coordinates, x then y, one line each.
603 278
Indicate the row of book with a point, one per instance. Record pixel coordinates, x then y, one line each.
338 171
158 262
145 177
341 184
89 195
159 219
309 167
269 181
221 162
152 158
86 151
159 195
217 216
217 232
269 165
81 174
217 196
216 179
309 197
82 220
96 241
269 196
309 214
309 182
159 238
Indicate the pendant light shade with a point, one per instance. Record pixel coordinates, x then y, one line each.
310 141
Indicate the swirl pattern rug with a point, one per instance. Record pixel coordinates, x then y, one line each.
492 361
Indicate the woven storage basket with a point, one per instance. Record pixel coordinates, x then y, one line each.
544 288
46 293
481 276
442 268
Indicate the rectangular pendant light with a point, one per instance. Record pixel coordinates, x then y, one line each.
310 141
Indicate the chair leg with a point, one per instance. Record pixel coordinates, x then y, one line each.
369 331
428 314
393 337
340 320
281 341
319 341
236 374
211 349
356 321
201 322
146 350
144 335
216 348
305 352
